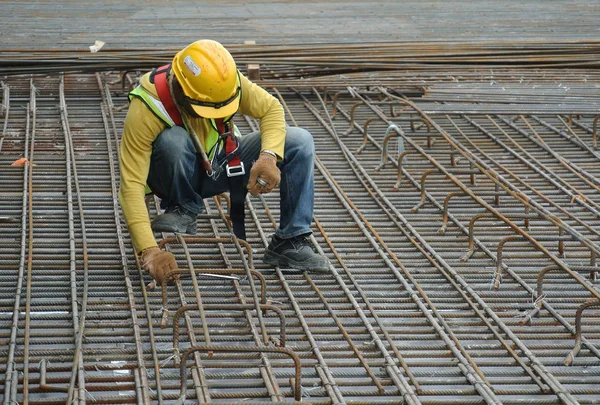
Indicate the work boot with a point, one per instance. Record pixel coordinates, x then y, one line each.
175 219
295 253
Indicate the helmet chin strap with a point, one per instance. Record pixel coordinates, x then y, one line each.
184 116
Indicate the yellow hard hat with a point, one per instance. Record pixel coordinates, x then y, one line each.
209 79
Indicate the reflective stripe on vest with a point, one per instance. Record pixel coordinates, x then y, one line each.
160 111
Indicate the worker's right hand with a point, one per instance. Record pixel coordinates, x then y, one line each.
158 263
264 175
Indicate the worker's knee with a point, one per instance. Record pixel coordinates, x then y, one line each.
173 142
300 141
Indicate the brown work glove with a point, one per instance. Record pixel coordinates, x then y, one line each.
158 263
264 175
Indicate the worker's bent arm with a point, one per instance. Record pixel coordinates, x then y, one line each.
140 129
258 103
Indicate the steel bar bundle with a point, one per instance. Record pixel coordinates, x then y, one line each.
307 60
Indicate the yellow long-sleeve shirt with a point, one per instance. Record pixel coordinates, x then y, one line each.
141 129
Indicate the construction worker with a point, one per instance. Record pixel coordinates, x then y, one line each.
179 141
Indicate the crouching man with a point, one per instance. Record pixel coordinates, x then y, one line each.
180 142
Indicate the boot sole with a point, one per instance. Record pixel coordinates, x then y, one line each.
190 230
275 259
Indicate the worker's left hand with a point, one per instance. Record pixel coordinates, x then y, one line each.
264 175
158 263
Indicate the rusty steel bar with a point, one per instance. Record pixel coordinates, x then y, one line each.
11 374
248 269
540 302
78 328
334 102
225 307
266 372
428 172
400 169
141 383
578 316
423 199
198 374
486 216
352 110
442 230
236 349
175 274
366 135
5 110
503 241
33 112
471 250
107 98
340 326
46 387
137 378
151 334
222 273
595 132
196 287
553 267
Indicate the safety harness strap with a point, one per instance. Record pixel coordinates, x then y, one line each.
235 172
159 78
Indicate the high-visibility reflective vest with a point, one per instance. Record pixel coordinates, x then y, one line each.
157 107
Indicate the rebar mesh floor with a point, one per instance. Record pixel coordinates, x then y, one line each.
462 235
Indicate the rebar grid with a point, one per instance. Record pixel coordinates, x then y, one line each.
401 318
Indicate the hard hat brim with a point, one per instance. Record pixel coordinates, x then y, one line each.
223 112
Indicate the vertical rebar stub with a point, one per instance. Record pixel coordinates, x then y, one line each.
253 71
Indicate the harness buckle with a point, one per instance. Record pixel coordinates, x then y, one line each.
233 171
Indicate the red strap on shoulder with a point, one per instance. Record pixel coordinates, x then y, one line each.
220 123
162 88
231 143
